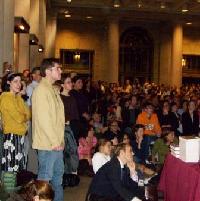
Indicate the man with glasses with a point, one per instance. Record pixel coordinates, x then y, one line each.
48 123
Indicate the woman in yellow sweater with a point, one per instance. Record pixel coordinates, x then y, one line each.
14 117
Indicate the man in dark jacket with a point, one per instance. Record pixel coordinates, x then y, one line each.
115 180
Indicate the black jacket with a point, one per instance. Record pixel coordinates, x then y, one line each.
190 127
108 182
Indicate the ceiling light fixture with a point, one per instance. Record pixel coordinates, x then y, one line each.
117 3
189 23
89 17
68 15
40 48
66 12
21 27
69 1
185 8
162 4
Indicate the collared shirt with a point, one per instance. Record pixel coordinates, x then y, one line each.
29 91
48 119
98 160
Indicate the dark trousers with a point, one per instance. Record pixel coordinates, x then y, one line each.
94 197
147 143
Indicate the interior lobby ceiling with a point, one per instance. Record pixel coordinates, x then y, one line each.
139 10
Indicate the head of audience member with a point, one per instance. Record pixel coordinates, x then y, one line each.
185 105
66 82
127 82
87 132
124 153
191 106
174 107
77 82
51 69
37 191
13 83
165 107
96 117
149 109
114 127
168 135
7 68
125 138
133 101
104 146
35 74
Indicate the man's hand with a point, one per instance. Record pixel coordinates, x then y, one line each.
131 166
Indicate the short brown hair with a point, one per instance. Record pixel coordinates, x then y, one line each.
46 64
120 147
37 188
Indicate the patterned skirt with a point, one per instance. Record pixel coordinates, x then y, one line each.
13 157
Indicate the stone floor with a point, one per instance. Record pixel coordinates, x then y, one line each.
77 193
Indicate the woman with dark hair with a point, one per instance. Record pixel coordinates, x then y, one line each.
15 115
71 114
34 191
162 146
138 145
71 159
87 144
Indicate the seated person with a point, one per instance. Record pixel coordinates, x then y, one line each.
98 126
113 130
142 171
113 180
86 144
162 146
102 155
138 144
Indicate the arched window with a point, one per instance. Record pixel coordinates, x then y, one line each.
136 54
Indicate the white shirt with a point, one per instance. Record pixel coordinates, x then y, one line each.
98 160
29 91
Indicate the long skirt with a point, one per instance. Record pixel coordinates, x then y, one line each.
13 157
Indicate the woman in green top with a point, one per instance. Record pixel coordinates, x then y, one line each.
162 145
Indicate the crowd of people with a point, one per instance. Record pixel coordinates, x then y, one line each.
54 124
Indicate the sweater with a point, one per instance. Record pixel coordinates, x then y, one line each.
14 114
152 126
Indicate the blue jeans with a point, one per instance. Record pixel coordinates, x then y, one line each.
51 168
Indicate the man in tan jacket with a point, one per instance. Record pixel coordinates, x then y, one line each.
48 126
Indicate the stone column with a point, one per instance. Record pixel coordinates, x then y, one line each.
22 9
42 28
51 29
176 70
113 51
6 32
34 24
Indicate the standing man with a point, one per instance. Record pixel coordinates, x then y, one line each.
32 162
48 124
